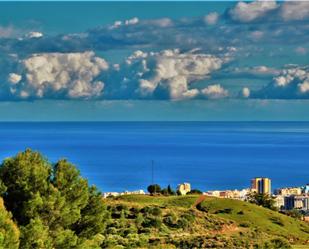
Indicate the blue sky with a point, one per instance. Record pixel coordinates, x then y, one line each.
154 61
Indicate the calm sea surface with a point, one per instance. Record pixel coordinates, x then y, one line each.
117 156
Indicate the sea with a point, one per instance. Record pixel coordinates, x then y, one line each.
128 156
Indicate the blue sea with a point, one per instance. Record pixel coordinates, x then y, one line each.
116 156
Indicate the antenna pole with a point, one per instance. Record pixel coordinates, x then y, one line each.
152 172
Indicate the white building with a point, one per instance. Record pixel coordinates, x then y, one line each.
184 188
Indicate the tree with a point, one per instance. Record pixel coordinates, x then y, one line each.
73 188
35 236
24 175
93 216
9 233
195 192
263 200
170 190
154 189
53 205
164 191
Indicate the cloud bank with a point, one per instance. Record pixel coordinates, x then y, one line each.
168 74
57 75
174 59
292 83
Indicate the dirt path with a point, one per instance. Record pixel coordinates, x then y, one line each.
199 200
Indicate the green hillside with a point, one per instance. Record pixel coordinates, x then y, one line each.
195 222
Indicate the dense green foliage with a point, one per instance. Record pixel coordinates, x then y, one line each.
9 233
263 200
154 189
50 206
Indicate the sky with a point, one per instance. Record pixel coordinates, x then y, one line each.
161 61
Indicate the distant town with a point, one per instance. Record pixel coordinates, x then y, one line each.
285 199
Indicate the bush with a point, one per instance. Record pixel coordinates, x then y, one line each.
277 243
224 211
183 223
188 216
170 220
202 208
154 189
195 192
244 224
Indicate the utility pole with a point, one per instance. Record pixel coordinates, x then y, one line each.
152 172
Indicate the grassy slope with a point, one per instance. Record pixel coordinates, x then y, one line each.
265 220
246 217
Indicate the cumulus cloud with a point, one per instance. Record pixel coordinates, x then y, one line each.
259 22
14 78
212 18
292 83
34 34
128 22
247 12
245 92
294 10
215 92
168 74
59 75
43 65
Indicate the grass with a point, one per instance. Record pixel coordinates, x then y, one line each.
226 217
162 201
265 220
300 247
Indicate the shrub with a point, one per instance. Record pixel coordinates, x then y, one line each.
195 192
183 223
170 220
224 211
244 224
154 189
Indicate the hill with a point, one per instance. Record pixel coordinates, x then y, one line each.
195 222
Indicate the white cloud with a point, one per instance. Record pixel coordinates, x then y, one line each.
248 12
161 22
294 10
304 87
14 78
67 75
34 34
212 18
215 92
292 83
132 21
167 74
128 22
245 92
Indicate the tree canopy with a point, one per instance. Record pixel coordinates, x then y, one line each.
263 200
154 189
53 206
